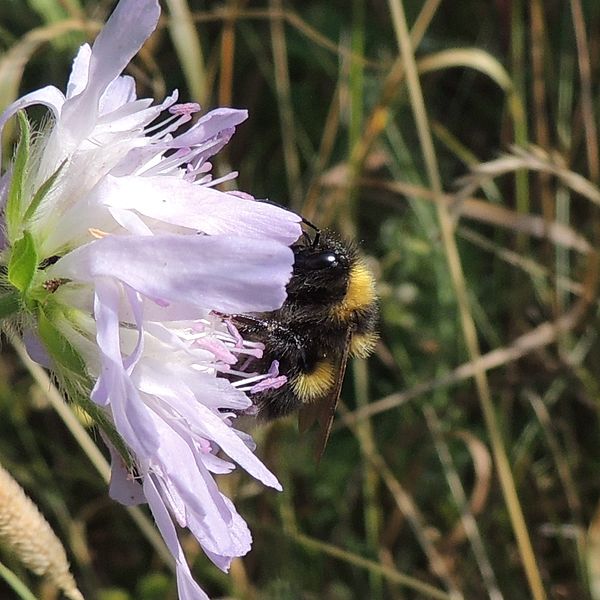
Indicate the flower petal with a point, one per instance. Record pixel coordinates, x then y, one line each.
132 417
120 92
123 487
192 494
79 71
176 202
48 96
36 350
229 274
209 126
192 408
187 588
239 530
128 27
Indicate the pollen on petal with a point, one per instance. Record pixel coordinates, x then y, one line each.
97 233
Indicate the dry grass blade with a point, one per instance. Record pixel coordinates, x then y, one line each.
558 454
409 509
532 158
326 146
467 518
228 44
493 214
539 94
26 534
377 120
472 58
423 20
483 467
286 112
187 45
587 102
593 555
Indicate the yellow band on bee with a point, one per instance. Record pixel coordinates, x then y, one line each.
362 344
360 293
309 386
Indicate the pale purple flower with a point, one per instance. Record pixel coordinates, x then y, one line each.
138 256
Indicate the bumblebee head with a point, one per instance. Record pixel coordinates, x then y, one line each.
322 266
328 271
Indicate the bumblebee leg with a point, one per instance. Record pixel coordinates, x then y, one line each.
247 320
271 333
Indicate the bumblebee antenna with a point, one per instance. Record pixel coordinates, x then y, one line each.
304 220
317 231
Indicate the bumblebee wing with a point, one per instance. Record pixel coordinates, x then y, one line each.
308 414
323 409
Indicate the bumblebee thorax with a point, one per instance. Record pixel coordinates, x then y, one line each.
360 292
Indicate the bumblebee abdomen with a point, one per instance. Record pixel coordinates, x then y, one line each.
315 383
362 344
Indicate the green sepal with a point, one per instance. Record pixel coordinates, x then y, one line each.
75 384
14 201
41 192
10 303
76 390
23 263
102 421
59 348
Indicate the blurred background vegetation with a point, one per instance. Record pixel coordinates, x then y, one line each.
457 141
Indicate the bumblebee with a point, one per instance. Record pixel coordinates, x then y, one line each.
330 314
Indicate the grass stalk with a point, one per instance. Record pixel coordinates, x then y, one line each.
520 127
17 586
409 509
370 482
587 102
447 229
423 589
284 104
228 39
187 45
466 516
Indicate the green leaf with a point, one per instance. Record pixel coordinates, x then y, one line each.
14 202
23 262
41 193
58 347
9 304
